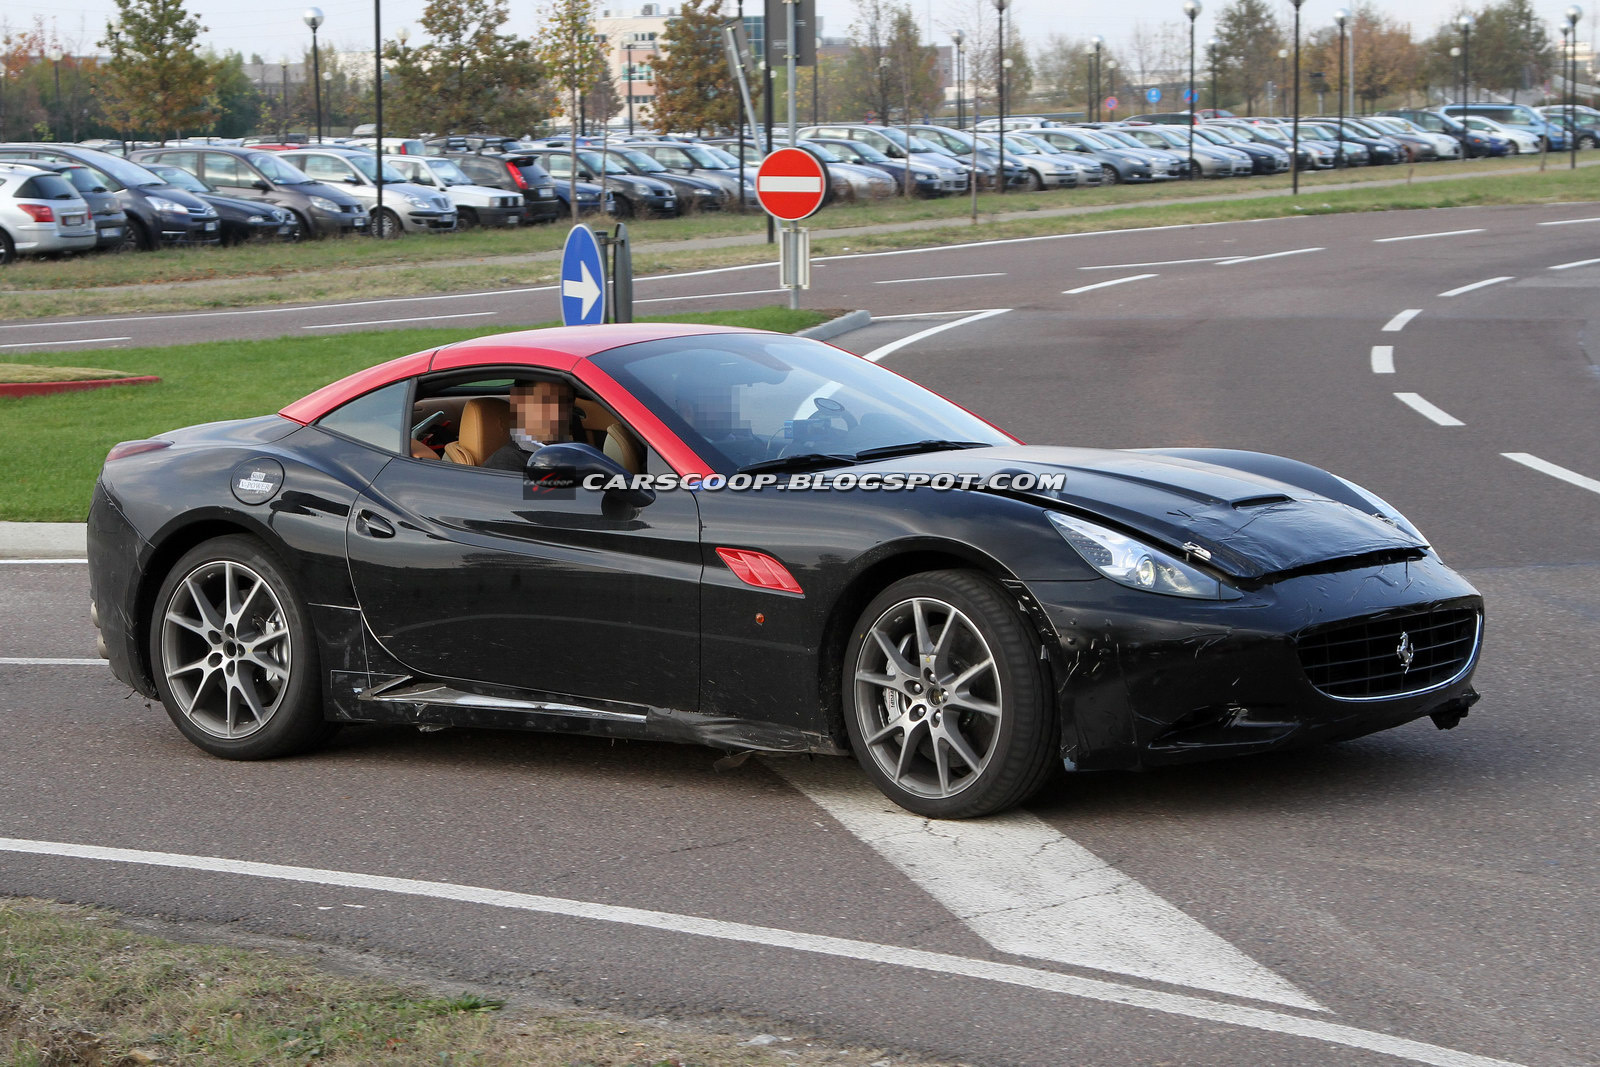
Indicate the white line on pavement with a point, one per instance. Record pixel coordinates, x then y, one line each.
1158 263
894 346
80 341
1102 285
19 562
1423 236
51 661
1383 359
1276 1022
386 322
1029 890
1398 323
1546 467
940 278
1415 402
1575 263
1568 222
707 296
1269 255
1476 285
926 314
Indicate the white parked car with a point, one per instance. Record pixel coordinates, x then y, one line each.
41 212
406 206
476 205
1521 140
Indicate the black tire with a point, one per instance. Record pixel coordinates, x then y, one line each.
899 721
1109 175
387 225
227 616
303 230
8 249
466 219
1035 182
136 237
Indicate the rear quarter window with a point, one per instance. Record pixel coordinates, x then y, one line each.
378 418
46 187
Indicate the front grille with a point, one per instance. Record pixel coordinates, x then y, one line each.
1365 660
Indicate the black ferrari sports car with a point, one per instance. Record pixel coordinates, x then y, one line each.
757 542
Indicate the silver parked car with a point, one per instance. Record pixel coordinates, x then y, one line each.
406 207
40 213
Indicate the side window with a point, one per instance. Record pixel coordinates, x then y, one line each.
558 166
189 161
225 170
478 171
670 157
377 418
325 168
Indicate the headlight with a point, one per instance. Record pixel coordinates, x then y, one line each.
168 207
1135 564
322 203
420 203
257 220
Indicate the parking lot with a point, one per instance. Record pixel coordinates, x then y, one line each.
1415 896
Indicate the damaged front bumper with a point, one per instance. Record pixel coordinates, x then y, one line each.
1319 657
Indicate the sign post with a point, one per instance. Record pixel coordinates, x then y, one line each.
583 279
791 184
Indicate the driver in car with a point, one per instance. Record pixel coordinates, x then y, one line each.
709 409
541 414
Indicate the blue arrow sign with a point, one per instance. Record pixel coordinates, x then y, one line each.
1153 95
583 279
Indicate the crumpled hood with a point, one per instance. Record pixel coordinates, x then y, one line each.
1252 526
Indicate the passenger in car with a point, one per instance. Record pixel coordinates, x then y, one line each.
541 414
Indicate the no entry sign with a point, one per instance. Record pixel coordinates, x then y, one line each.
790 184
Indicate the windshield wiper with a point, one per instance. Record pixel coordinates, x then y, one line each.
913 447
802 461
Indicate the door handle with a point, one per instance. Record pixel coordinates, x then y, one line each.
373 524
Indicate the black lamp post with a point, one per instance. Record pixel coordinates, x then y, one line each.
1283 83
1294 162
1094 77
627 82
816 86
54 56
1573 13
313 18
1192 9
1000 87
1340 17
377 102
1465 24
958 39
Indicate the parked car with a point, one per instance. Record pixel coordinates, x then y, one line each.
925 180
41 213
158 213
636 196
962 142
1043 165
1587 119
1517 116
698 161
320 209
243 220
110 221
846 180
1352 153
1381 149
694 194
515 172
1521 141
1177 162
897 144
1474 143
1422 145
474 204
407 207
1264 158
1118 162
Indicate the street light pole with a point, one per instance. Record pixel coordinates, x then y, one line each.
1573 13
313 18
1094 77
55 60
958 38
1211 50
1192 9
1340 17
1465 23
1283 84
1000 88
627 79
1294 161
377 101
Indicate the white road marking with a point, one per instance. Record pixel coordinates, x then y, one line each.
1103 285
1423 236
79 341
925 314
1575 263
1422 407
1398 323
1568 222
51 661
1028 890
1276 1022
1383 359
1269 255
18 562
892 347
1476 285
1546 467
707 296
940 278
386 322
1158 263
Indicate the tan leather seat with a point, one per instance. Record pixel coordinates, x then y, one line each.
421 451
621 446
485 429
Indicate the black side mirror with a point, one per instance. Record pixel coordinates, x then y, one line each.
568 465
261 184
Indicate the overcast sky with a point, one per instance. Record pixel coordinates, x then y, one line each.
275 30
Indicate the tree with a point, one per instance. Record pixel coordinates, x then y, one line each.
467 76
1511 48
695 90
1248 39
571 58
155 80
236 101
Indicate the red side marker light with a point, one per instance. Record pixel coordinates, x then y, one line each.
759 569
133 448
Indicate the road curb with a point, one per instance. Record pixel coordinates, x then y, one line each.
853 320
43 540
46 388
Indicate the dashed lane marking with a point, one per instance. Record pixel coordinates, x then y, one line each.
940 278
1575 263
79 341
1103 285
1424 236
1383 359
1398 323
386 322
1429 411
1554 471
1476 285
1568 222
1269 255
51 661
21 562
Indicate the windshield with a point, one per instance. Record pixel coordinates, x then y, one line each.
1093 139
704 157
119 169
1120 138
1021 142
643 163
822 152
1211 135
369 166
866 152
592 161
447 172
1267 133
181 178
82 180
276 170
741 399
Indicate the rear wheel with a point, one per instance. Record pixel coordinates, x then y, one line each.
8 249
466 219
234 654
944 697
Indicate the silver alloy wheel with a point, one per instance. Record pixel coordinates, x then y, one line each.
928 689
225 649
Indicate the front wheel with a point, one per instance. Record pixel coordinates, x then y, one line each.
944 698
1035 181
234 654
1109 175
8 249
387 225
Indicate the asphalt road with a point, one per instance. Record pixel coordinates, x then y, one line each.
1327 906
